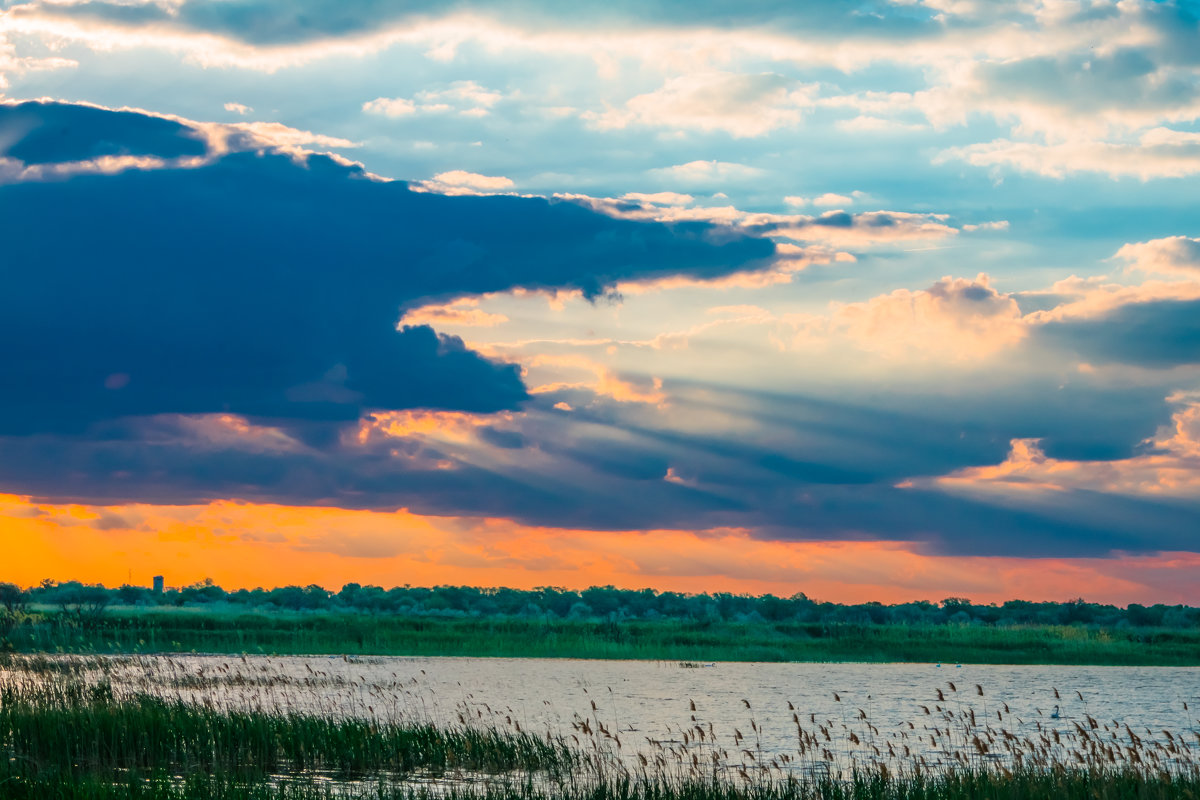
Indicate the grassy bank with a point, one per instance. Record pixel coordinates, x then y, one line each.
187 630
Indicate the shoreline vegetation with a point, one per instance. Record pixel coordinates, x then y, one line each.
283 633
96 728
600 623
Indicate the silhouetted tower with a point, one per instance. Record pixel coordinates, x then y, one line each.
158 584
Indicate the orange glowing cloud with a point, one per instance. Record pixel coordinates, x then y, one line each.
603 382
956 319
242 544
1170 467
463 312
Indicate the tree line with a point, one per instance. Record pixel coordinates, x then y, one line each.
87 603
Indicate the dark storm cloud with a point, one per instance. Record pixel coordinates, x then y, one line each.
782 487
1074 524
43 133
163 460
281 22
262 286
1162 334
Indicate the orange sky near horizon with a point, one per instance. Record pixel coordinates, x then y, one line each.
247 545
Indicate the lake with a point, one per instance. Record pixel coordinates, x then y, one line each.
790 716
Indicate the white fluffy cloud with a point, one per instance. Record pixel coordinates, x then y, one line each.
1174 255
466 98
459 181
827 200
955 318
1157 153
708 172
742 105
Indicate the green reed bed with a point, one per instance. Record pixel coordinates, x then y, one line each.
75 730
285 633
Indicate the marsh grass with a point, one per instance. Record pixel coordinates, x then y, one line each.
77 729
287 633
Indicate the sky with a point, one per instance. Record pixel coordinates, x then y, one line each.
868 300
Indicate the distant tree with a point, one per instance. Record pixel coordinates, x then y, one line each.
878 612
349 594
84 605
12 609
580 610
1077 611
776 609
128 595
204 591
13 598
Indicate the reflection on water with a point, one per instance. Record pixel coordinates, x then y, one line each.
745 718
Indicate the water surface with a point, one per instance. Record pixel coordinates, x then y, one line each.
754 712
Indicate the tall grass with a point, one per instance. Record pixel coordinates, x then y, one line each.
665 640
75 729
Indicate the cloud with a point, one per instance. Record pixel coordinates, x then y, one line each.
390 106
738 104
44 140
466 98
1174 255
36 133
1073 299
831 199
833 227
828 200
868 124
309 28
660 198
796 468
1168 466
1158 153
1096 91
238 108
1150 325
459 181
463 312
995 225
956 318
600 380
1153 333
707 172
268 283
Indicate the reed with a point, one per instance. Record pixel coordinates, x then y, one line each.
75 729
284 633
